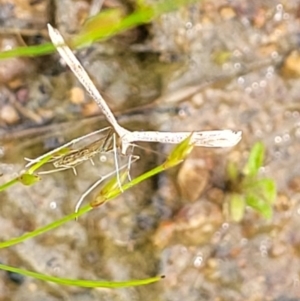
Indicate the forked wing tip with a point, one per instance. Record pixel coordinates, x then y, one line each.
235 138
50 27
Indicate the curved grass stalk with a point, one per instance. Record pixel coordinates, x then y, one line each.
79 282
8 184
110 191
30 171
56 224
178 154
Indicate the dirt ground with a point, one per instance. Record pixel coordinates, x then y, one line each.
212 65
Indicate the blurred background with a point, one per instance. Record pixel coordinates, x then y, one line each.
209 225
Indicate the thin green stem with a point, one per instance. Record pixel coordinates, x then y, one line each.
81 283
8 184
46 228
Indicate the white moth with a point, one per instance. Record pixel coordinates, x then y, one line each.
219 138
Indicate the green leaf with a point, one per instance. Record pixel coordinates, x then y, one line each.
99 26
255 161
260 205
232 171
28 179
236 207
264 188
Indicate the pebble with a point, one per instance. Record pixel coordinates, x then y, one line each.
260 18
192 179
13 68
22 95
227 13
90 109
294 184
9 114
291 66
77 95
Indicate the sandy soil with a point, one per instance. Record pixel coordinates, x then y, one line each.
212 65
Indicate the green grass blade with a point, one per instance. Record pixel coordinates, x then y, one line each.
85 209
142 15
264 188
176 157
81 283
255 161
260 205
236 207
39 164
27 51
39 231
9 183
232 172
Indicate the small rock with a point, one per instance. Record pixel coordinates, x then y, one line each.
13 69
291 66
90 109
192 179
163 234
216 195
294 184
22 95
267 50
278 249
15 83
227 13
46 114
282 203
9 114
260 18
77 95
15 277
